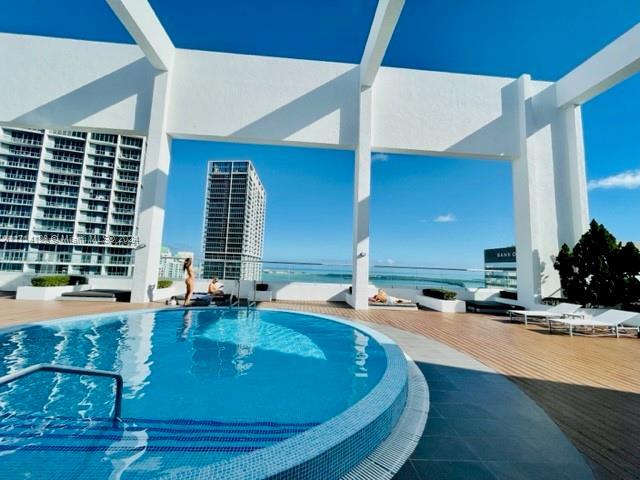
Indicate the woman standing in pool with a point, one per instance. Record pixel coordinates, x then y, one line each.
190 280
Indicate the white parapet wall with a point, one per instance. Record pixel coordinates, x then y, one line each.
10 281
284 291
160 294
313 292
47 293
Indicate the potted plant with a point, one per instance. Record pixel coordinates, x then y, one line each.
441 300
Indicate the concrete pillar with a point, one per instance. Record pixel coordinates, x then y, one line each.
526 266
549 188
571 177
152 198
361 199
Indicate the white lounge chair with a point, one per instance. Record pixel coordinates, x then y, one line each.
557 311
612 320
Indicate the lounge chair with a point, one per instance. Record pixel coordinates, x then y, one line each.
557 311
612 320
393 306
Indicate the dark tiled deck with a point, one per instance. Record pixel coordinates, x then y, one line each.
480 424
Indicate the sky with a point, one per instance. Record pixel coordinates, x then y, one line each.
425 211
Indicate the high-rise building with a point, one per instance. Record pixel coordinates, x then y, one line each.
233 231
68 201
171 266
500 267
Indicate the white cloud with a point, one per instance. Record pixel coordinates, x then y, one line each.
448 218
379 157
629 180
390 261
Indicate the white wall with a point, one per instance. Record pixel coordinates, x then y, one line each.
65 82
10 281
263 99
317 292
435 112
111 283
55 82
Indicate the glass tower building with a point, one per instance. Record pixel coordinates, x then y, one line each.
234 216
68 201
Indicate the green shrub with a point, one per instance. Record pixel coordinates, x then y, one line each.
50 281
599 271
439 293
165 283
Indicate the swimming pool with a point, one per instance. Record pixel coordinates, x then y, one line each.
208 393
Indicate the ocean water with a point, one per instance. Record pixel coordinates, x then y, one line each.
201 386
383 277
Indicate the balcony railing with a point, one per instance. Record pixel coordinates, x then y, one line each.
76 258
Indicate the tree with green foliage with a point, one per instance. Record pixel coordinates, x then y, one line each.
599 271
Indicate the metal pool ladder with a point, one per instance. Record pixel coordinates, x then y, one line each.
48 367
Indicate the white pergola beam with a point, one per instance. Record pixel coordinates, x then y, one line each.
143 25
382 27
610 66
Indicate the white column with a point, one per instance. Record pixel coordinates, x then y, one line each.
535 201
361 199
571 178
549 189
526 269
152 197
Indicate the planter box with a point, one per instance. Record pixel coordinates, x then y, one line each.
160 294
449 306
264 296
47 293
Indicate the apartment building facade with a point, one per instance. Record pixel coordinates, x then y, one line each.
234 221
68 201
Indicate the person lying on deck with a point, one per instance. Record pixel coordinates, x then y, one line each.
383 297
215 287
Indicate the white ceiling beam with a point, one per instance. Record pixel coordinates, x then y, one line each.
382 27
610 66
143 25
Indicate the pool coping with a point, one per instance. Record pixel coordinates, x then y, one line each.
386 460
381 409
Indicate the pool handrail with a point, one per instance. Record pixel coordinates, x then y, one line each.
49 367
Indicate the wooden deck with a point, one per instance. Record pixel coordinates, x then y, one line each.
589 386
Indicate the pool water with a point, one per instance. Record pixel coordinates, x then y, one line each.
201 386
